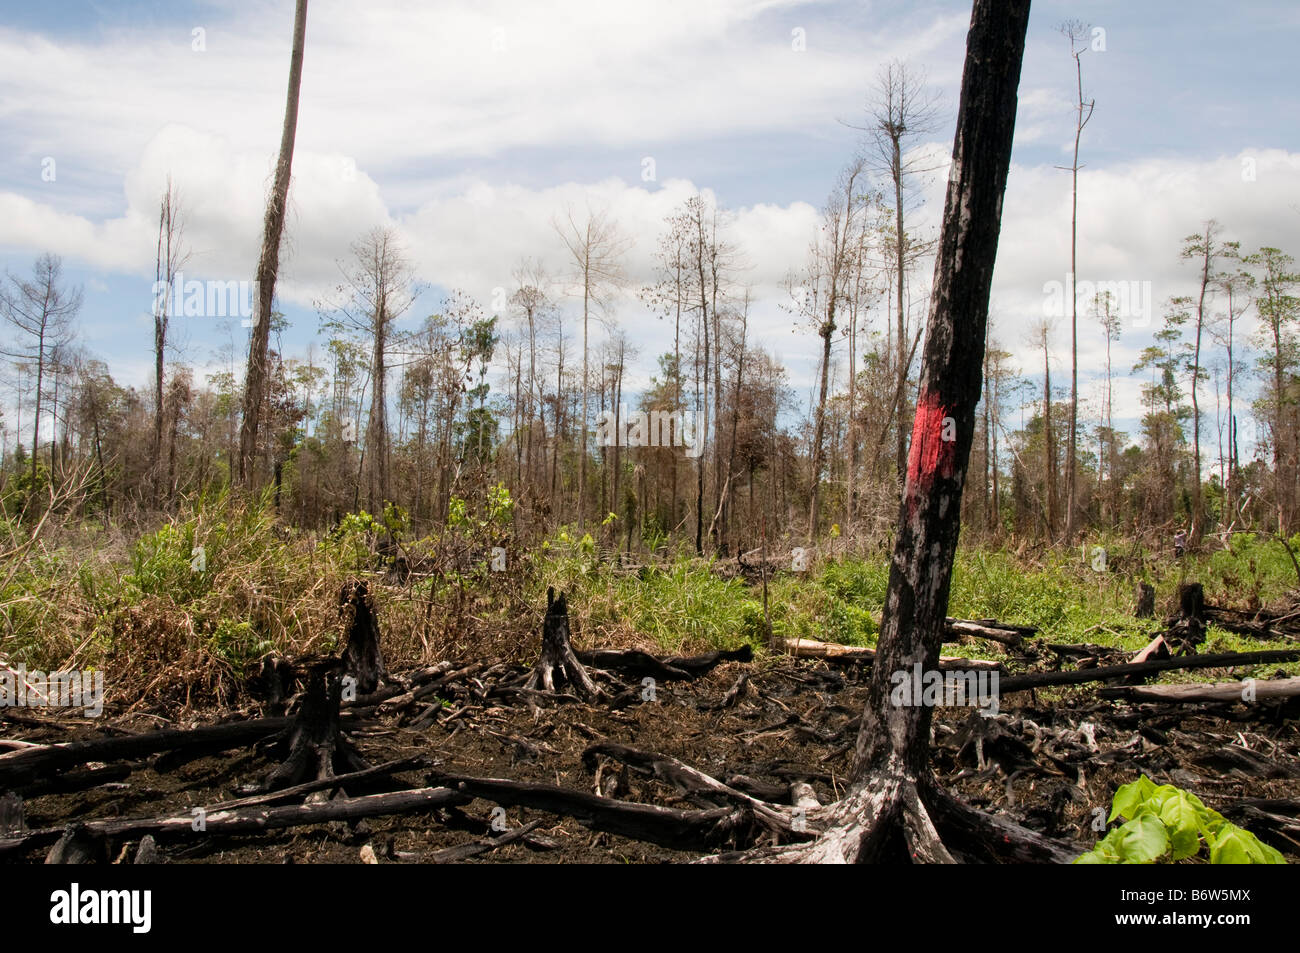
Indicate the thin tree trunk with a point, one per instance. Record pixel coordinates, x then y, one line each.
1049 448
268 264
900 316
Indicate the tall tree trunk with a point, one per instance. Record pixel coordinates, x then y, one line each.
1234 494
1082 115
40 386
379 488
160 336
1049 442
917 598
900 316
892 786
268 264
1198 509
819 427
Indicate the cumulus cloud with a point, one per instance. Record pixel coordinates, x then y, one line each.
412 115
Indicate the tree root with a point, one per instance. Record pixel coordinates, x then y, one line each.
897 817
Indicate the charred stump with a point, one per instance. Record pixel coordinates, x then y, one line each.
79 845
557 665
362 658
1188 630
1146 601
273 683
316 747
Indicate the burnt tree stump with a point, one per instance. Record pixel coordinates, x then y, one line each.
273 683
558 665
1189 628
317 748
362 658
1146 601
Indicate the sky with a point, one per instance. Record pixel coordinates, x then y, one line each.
470 126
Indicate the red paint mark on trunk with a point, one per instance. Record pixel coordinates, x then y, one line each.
929 454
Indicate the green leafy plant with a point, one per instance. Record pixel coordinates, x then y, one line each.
1164 824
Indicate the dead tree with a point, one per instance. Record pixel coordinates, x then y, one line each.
362 658
268 263
1146 601
893 791
317 748
557 654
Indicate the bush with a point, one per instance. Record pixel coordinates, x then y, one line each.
1166 824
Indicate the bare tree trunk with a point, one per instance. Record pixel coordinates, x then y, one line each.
268 265
916 602
1073 32
1049 441
892 787
819 428
1207 262
582 413
900 315
169 261
377 429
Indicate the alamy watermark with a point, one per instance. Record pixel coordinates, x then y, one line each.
657 428
952 688
204 299
20 688
1131 299
131 908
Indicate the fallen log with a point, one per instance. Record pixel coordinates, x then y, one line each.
320 784
698 665
66 782
686 779
860 654
1195 692
1012 636
665 826
634 663
1019 683
398 687
638 664
1259 625
19 768
250 820
429 686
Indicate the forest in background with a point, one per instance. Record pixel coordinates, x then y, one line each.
492 444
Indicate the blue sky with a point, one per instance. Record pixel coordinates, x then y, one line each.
469 125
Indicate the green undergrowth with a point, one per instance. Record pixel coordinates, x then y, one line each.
228 581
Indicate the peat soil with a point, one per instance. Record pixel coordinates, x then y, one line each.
1051 761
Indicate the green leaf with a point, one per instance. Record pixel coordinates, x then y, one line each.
1105 851
1234 845
1143 840
1129 796
1183 821
1093 857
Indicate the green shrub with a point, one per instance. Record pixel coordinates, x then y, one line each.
1165 824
